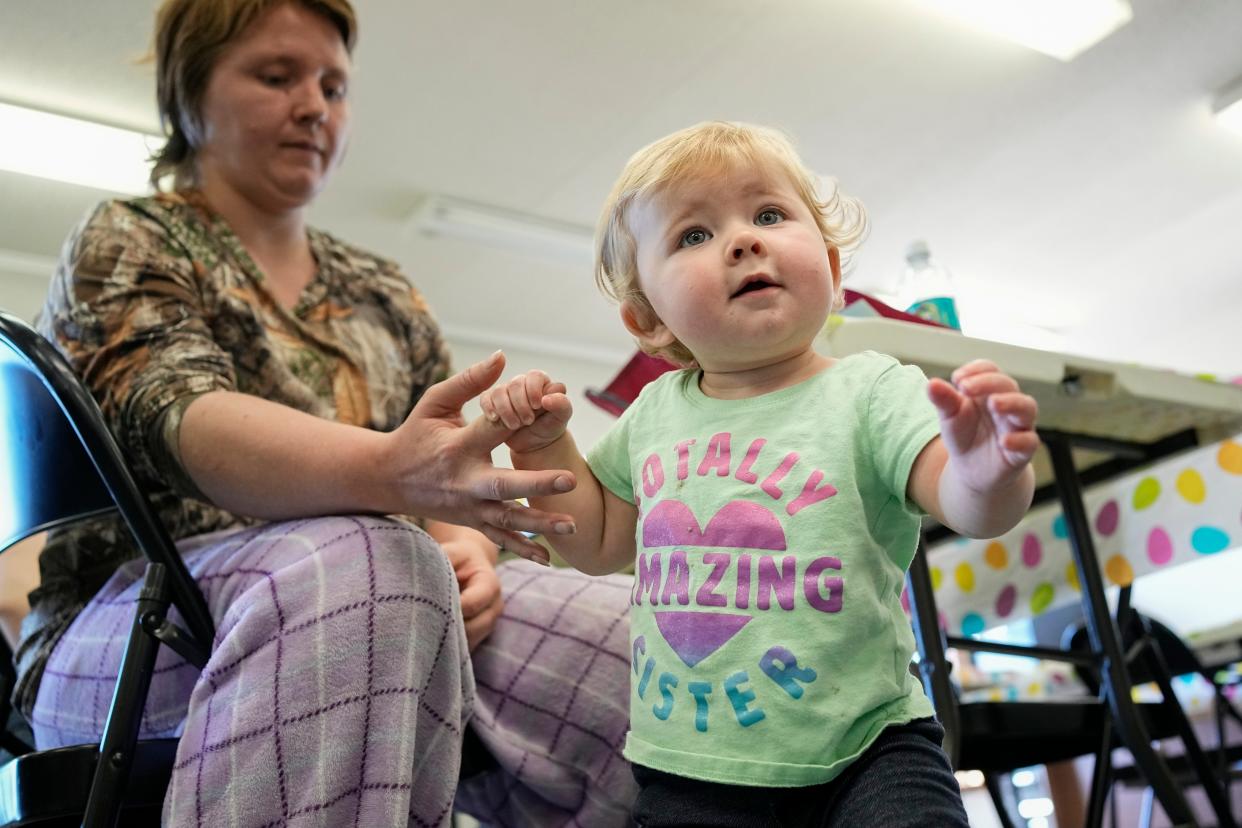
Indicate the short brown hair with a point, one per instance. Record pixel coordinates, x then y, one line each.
706 148
190 35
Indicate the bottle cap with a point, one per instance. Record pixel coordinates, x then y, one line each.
918 252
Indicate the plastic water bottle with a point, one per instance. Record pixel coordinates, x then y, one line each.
926 287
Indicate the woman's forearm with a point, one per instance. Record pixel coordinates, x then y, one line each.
269 461
265 460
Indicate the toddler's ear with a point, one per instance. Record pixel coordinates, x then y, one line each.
645 326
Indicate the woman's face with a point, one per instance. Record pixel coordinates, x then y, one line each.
275 115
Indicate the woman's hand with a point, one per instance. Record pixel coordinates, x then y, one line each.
444 470
473 558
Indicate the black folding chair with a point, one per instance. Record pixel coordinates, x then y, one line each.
1162 655
59 464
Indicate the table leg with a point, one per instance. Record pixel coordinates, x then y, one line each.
1106 639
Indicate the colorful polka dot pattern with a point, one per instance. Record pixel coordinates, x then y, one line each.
1190 486
1230 457
1032 551
1164 516
972 624
1159 546
1107 518
1208 540
1042 597
965 577
996 555
1118 571
1005 601
1145 493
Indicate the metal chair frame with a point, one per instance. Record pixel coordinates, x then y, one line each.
63 465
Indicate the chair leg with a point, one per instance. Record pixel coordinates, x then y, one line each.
1204 773
1149 801
992 782
116 750
1101 778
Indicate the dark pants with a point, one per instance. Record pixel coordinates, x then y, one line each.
902 780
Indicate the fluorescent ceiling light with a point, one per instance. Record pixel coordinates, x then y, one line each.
1062 29
438 215
74 151
1228 107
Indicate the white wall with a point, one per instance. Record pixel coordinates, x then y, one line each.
23 282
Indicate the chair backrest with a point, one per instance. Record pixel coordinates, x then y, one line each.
1177 655
59 463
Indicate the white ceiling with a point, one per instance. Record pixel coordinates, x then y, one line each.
1098 197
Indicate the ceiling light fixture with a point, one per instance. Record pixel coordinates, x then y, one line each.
75 151
439 215
1062 29
1228 106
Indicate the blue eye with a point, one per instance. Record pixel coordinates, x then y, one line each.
692 238
769 216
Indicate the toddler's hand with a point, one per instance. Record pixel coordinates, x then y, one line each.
532 406
986 422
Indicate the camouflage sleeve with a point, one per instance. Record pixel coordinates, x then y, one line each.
127 307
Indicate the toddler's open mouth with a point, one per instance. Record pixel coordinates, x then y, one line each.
754 284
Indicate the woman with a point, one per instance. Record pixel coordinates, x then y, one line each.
259 374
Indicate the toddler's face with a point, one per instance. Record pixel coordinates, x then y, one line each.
735 267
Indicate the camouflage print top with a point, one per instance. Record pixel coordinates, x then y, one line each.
155 302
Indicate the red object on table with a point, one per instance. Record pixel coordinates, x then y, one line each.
623 390
887 311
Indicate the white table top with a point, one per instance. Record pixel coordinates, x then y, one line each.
1075 394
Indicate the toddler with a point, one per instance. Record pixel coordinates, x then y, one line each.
769 498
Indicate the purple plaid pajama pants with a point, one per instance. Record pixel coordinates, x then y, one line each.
339 685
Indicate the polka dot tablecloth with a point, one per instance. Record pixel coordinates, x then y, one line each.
1169 514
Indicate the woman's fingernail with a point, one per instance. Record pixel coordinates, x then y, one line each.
492 416
563 484
565 528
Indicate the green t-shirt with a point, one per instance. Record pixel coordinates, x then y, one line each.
768 640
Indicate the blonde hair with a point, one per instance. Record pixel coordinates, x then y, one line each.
190 36
710 146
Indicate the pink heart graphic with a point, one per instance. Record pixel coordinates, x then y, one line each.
738 525
696 635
